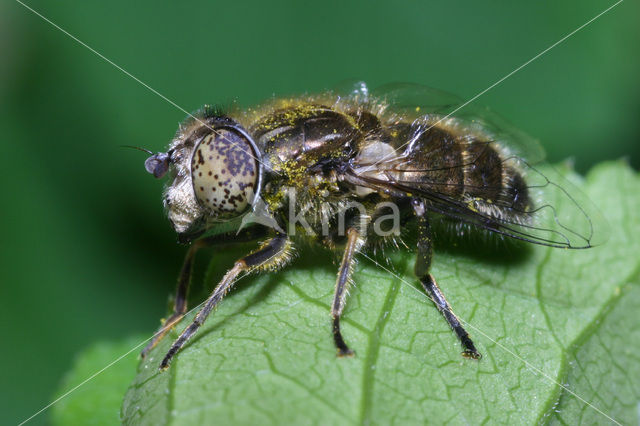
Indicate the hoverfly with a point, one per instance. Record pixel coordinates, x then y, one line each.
347 160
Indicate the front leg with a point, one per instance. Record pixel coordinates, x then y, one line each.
272 254
180 301
184 279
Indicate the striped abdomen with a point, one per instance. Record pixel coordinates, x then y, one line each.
463 168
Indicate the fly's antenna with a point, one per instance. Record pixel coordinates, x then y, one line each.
138 148
157 164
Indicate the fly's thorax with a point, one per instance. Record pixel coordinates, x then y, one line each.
305 136
216 176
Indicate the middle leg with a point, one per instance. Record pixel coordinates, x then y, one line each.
342 283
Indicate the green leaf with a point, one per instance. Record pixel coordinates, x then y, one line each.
267 357
98 401
603 362
604 367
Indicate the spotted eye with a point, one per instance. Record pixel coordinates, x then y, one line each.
224 173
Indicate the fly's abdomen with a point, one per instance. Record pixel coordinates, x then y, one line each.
493 184
433 160
461 168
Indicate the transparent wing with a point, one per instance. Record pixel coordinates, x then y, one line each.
417 100
402 97
352 89
557 215
414 101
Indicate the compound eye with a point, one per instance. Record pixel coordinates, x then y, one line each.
224 173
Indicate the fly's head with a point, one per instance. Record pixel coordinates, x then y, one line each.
216 171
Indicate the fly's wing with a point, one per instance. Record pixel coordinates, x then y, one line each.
416 100
411 100
353 90
421 103
556 214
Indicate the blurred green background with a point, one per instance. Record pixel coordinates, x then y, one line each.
86 252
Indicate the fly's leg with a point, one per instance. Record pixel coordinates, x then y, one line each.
184 279
342 283
272 254
432 289
180 302
423 262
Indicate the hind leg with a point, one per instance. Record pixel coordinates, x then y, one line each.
423 262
